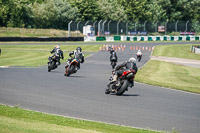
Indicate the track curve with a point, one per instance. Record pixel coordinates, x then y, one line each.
82 95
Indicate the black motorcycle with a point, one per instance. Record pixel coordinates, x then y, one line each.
53 64
121 85
113 63
139 57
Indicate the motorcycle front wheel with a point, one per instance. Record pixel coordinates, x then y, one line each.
50 66
70 70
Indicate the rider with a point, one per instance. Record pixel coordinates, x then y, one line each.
139 53
127 65
77 55
57 53
113 55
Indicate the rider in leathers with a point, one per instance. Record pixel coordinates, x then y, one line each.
58 53
128 65
113 56
77 55
139 53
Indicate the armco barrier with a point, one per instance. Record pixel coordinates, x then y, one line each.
40 39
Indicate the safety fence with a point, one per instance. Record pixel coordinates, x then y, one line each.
142 38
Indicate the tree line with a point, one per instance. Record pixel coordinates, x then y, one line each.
57 13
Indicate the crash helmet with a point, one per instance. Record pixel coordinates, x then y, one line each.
111 50
132 59
79 49
57 46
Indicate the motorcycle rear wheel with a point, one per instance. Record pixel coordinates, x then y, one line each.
122 89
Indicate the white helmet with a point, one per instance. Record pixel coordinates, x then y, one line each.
132 59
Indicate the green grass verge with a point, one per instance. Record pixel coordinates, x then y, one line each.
26 32
35 55
179 51
170 75
17 120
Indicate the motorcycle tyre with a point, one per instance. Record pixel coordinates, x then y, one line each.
50 67
70 70
113 65
123 88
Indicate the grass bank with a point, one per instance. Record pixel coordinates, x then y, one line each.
179 51
35 55
26 32
17 120
171 75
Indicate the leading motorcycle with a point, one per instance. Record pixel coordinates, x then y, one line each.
121 85
53 64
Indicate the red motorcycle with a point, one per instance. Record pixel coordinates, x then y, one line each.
122 83
71 68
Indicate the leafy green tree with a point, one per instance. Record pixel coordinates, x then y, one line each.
87 9
157 12
136 10
53 13
4 11
13 13
190 9
111 10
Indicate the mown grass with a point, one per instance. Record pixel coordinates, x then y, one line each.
26 32
171 75
17 120
35 55
179 51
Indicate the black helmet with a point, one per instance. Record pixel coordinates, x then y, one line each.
111 50
79 49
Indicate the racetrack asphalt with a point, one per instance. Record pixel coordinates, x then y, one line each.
82 95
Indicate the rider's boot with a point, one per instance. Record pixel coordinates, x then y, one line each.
114 79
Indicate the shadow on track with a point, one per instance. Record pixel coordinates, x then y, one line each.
75 76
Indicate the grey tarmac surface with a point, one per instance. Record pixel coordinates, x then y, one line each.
82 95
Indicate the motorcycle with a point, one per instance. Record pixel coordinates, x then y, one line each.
113 64
53 64
121 85
139 57
71 68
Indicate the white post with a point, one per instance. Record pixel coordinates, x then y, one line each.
186 26
127 28
135 26
94 24
144 25
86 23
118 27
77 27
109 26
99 27
176 26
166 27
69 30
103 26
